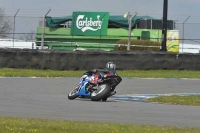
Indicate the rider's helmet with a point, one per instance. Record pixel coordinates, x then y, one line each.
111 65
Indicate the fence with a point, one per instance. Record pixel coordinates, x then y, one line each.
21 32
189 37
25 29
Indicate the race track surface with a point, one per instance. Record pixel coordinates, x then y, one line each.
47 98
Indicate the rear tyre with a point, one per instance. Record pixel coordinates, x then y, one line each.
72 95
104 99
101 93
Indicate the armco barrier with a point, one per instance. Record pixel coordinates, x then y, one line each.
83 60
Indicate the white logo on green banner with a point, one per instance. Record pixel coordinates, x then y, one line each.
89 23
86 24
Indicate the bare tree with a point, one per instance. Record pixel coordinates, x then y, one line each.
31 36
5 24
28 37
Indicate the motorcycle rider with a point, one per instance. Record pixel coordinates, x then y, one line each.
110 69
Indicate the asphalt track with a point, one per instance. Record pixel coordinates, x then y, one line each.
47 98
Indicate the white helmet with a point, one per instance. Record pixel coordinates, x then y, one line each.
111 65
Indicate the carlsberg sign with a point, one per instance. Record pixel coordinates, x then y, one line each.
89 23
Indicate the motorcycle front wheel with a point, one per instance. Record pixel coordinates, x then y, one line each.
72 95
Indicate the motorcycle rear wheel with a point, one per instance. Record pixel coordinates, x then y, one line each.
101 93
104 99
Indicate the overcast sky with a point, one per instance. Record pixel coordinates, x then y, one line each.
177 9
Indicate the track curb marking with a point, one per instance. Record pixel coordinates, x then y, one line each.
144 97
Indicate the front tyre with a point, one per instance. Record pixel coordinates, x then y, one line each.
101 93
72 95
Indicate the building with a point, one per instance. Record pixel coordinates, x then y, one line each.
58 32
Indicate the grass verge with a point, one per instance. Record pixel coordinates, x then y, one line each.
193 100
33 125
10 72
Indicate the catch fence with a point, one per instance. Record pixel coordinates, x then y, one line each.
17 29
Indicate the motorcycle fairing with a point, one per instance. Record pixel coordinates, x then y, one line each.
82 88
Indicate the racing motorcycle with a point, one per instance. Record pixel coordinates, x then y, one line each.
95 87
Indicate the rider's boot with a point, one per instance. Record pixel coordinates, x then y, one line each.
112 93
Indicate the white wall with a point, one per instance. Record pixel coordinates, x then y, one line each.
189 48
6 43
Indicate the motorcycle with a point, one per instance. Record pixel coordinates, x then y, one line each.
95 87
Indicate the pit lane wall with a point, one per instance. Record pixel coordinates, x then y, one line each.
84 60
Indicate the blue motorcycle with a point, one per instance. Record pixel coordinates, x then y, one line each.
95 87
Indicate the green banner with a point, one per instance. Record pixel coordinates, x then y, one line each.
89 23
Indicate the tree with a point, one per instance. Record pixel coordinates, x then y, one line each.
28 37
5 24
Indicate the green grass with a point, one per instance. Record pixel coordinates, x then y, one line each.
10 72
32 125
159 73
174 99
25 125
